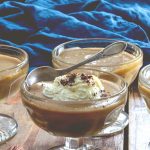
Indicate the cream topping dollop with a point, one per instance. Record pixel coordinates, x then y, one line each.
74 86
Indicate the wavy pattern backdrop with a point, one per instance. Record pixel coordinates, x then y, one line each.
38 26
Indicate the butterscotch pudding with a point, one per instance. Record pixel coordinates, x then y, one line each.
144 84
13 68
77 104
125 64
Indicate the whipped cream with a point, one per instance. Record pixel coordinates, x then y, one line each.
74 86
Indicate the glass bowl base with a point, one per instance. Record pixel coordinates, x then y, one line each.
83 147
116 127
8 128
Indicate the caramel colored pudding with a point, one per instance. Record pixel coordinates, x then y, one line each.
7 62
124 64
75 118
144 84
10 75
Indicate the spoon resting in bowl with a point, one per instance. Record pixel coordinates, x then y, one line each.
44 71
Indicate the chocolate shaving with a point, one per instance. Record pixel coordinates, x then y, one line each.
87 78
63 82
69 80
104 95
71 77
102 91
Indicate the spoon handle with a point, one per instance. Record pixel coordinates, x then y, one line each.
93 58
111 49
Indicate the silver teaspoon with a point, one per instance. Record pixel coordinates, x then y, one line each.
47 73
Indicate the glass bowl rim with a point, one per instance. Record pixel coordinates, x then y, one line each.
33 96
25 59
142 78
140 55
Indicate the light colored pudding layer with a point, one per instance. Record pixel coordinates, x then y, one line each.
7 62
79 91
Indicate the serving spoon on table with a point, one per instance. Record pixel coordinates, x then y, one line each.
47 73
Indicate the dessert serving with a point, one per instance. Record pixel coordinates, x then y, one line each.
78 104
144 84
125 64
13 68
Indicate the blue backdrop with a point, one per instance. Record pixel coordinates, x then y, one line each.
38 26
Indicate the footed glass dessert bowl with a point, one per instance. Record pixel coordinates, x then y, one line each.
144 85
78 104
13 69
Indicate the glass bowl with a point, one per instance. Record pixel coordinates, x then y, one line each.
125 64
76 118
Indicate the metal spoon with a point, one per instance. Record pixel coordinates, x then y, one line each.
47 73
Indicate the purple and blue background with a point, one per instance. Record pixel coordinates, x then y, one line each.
37 26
